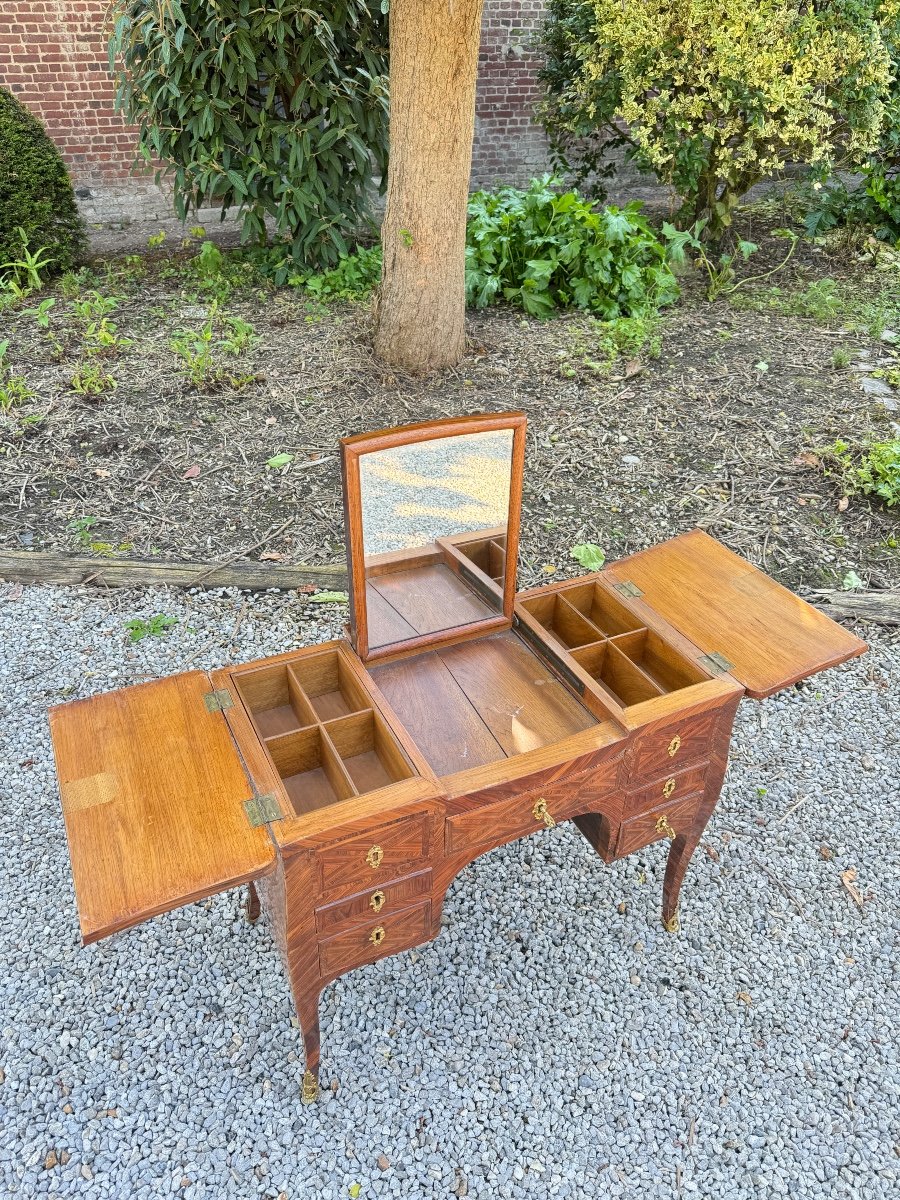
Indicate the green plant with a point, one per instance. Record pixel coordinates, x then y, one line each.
94 306
137 629
840 359
13 388
25 274
541 250
37 203
198 349
279 109
41 314
719 268
90 379
712 97
353 278
871 468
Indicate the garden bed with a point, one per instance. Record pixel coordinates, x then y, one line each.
719 430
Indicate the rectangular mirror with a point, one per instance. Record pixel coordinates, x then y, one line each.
432 518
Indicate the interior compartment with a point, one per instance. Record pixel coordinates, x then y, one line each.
565 622
329 685
275 700
602 608
368 751
310 768
480 702
612 668
488 555
667 668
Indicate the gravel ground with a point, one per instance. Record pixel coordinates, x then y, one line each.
553 1042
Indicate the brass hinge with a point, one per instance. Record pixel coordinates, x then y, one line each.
627 588
218 701
261 810
716 663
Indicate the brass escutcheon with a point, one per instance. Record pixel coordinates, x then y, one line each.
674 746
541 813
377 901
668 788
663 826
374 857
377 936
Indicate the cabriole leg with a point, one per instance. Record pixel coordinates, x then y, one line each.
308 1014
251 904
680 853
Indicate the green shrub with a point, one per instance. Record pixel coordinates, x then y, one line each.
712 97
543 250
277 108
873 469
37 204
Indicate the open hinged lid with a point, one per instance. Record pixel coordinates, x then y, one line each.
153 792
745 622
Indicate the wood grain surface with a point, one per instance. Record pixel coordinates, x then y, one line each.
152 793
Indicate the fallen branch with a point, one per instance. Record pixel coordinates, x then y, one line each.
23 566
883 607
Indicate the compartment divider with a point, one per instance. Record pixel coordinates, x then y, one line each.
630 665
300 701
572 614
333 766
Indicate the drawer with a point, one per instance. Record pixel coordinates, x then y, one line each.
502 820
665 821
664 790
376 939
376 855
378 901
676 744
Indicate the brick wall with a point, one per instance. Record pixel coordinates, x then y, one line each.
509 146
53 57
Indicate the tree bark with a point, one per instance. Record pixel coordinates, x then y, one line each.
434 62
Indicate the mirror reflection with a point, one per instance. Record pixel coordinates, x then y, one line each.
434 518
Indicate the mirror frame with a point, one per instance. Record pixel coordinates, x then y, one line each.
352 450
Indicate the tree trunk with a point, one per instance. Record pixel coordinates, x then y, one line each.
434 63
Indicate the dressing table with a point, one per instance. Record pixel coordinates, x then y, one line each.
349 782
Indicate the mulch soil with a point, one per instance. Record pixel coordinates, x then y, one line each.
719 431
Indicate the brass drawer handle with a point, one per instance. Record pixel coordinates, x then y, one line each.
668 788
663 826
541 813
377 901
374 857
674 746
377 936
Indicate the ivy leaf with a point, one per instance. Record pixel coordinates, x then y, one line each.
330 598
589 555
280 460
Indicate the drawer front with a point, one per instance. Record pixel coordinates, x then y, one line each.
376 939
381 900
666 821
672 746
377 855
664 790
493 824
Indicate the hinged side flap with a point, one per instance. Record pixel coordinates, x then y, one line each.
735 613
153 792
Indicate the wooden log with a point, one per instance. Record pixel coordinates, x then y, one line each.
883 607
24 566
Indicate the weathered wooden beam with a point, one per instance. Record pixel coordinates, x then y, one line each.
883 607
24 566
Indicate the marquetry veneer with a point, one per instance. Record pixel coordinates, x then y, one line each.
350 793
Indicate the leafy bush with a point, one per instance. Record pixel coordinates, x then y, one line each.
873 469
713 98
279 109
37 204
543 250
